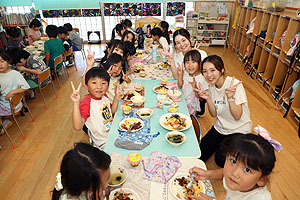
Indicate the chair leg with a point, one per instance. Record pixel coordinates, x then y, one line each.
66 71
57 79
28 110
12 143
43 98
24 137
54 89
83 54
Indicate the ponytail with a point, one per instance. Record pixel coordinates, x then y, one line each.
113 35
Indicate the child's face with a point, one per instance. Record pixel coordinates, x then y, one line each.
182 43
241 178
119 51
97 87
115 69
22 62
210 73
3 65
36 28
191 67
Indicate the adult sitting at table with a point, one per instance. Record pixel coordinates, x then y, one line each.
227 102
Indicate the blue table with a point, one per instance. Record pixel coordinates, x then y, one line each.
189 149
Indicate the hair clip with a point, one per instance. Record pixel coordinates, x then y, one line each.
265 134
58 186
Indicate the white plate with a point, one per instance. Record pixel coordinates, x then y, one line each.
134 195
135 94
160 92
158 65
130 121
177 190
162 119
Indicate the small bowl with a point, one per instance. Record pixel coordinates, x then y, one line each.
118 175
138 100
138 88
126 110
173 134
174 95
164 81
145 113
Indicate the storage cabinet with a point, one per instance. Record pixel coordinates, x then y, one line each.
271 61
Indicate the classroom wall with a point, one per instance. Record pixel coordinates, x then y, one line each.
293 3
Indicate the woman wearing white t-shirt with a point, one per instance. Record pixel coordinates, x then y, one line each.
156 34
227 101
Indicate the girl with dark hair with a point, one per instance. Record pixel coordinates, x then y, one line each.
34 31
156 34
164 26
128 36
227 102
127 23
84 174
119 29
250 160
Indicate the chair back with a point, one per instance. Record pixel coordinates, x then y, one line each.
197 127
57 61
67 53
15 100
44 76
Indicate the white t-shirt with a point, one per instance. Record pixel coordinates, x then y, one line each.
191 100
225 123
164 43
260 193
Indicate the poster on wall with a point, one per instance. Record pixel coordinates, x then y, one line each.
175 8
91 12
152 9
132 9
72 13
113 9
52 13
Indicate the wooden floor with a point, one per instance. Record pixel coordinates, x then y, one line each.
28 172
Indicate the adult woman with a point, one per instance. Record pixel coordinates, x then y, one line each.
227 101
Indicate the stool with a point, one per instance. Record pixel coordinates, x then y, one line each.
94 41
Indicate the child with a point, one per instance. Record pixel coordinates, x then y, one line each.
164 26
34 33
74 37
11 83
63 36
127 24
14 39
250 160
191 79
128 36
157 36
84 174
53 47
129 52
95 110
119 29
31 64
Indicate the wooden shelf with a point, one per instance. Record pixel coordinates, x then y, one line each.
213 22
15 25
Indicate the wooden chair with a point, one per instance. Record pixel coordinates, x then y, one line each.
5 131
57 61
197 127
69 53
45 76
14 101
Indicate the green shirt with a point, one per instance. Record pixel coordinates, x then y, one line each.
55 47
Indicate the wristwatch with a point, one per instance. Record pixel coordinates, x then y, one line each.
231 99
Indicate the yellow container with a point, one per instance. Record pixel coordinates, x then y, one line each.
126 110
138 88
164 81
134 159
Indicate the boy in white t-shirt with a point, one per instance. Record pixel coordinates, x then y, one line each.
95 109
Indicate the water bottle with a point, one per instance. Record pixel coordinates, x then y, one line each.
154 54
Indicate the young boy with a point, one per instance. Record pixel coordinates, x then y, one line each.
74 37
52 47
63 36
95 109
14 39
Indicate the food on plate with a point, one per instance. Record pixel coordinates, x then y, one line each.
162 89
175 122
183 182
116 178
129 122
126 110
121 195
176 138
134 159
130 94
164 65
145 113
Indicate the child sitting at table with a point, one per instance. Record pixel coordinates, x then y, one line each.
249 162
129 52
164 26
84 174
14 39
11 83
190 78
128 36
52 47
32 64
119 29
74 37
34 33
127 24
63 36
95 110
157 36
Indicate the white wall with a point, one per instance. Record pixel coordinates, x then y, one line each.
293 3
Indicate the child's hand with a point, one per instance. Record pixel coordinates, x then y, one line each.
200 174
119 93
9 95
200 196
180 69
76 94
201 92
21 68
126 78
231 90
90 59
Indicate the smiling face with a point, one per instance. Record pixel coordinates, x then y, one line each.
192 67
35 28
241 178
115 69
97 87
182 43
212 75
4 67
118 50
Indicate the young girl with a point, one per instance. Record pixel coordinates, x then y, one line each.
127 24
84 174
114 46
128 36
250 160
156 34
227 102
34 31
164 26
119 29
190 79
129 52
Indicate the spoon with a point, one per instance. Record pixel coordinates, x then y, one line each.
190 185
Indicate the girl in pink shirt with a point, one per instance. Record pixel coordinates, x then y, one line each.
34 31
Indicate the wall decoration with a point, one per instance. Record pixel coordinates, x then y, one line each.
52 13
151 9
132 9
90 12
72 13
113 9
175 8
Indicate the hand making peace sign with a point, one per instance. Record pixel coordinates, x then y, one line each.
75 96
231 90
180 69
201 92
90 59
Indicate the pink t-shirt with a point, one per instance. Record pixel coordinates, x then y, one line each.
33 33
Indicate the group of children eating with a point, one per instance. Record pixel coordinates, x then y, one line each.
246 160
